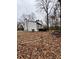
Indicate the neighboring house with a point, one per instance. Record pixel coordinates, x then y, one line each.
58 17
55 20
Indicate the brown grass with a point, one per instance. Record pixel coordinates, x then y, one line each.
38 45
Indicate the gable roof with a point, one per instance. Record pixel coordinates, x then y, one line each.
39 22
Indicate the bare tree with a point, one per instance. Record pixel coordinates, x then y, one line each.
46 6
26 18
31 16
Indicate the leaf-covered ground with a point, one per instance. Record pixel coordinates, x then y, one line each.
38 45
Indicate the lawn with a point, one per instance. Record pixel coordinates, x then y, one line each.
38 45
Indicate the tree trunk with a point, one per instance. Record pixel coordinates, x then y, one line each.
27 24
47 22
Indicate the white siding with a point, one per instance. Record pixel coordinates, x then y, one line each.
32 25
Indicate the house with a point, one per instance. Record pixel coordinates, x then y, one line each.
31 25
55 20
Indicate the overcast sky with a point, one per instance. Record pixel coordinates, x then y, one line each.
26 7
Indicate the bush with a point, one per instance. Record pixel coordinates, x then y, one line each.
55 28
